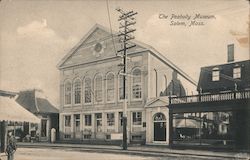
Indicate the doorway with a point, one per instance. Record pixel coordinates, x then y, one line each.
159 127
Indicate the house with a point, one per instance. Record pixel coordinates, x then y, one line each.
35 102
220 112
91 90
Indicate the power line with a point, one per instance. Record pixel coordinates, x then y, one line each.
112 36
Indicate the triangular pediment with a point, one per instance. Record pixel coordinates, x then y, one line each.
96 45
157 102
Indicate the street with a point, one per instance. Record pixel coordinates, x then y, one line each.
68 154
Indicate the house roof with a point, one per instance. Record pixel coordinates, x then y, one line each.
10 110
33 102
143 45
157 102
226 81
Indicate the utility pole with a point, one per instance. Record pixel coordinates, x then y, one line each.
126 20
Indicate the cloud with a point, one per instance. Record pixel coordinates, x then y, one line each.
29 56
35 28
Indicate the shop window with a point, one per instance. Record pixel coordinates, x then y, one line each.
136 137
67 121
110 119
137 118
87 120
67 136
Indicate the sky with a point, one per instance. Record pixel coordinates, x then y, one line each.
35 35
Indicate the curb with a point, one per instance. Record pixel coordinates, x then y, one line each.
133 152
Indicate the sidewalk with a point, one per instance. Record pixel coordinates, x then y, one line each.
141 150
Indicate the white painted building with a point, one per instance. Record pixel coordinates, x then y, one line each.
91 104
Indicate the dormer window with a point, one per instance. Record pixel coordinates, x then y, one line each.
237 72
216 74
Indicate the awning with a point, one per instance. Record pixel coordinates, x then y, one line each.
10 110
187 123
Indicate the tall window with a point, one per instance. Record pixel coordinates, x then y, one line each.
136 84
216 74
137 118
88 90
237 72
67 121
87 120
98 88
110 87
110 119
67 93
77 91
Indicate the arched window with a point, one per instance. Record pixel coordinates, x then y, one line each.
159 117
77 91
88 90
98 88
67 93
136 84
110 79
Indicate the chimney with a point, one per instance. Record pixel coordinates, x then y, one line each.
230 53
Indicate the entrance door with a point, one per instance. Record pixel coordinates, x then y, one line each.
98 122
44 128
159 127
159 131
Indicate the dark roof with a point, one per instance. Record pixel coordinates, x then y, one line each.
29 100
175 87
7 93
226 82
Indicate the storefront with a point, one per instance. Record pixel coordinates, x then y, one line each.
10 111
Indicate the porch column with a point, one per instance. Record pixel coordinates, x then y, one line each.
61 126
72 126
116 121
149 134
170 127
81 125
93 123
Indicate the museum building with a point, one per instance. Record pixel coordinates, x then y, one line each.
91 90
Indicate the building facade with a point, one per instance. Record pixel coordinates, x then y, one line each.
219 115
35 102
91 90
